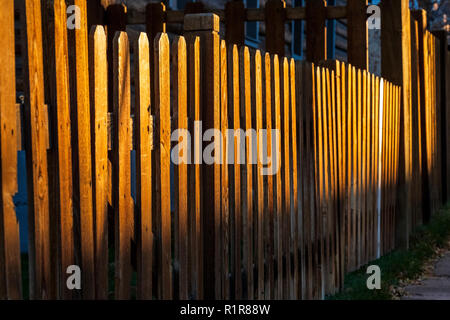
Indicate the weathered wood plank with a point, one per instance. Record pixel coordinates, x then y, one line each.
354 183
309 198
259 173
81 139
225 165
35 146
246 106
364 142
276 148
122 166
144 143
235 178
162 161
10 264
179 72
63 148
99 127
196 252
286 176
269 232
320 185
295 164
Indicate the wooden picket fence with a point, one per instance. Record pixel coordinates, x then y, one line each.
231 232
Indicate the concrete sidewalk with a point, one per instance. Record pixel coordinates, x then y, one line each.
434 287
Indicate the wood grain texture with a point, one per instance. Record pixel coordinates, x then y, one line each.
36 148
225 210
235 123
144 143
81 143
195 209
246 107
10 264
162 161
293 141
62 151
99 111
276 147
269 228
179 72
259 173
123 212
286 177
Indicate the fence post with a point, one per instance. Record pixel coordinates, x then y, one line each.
155 23
396 67
206 26
116 20
441 37
316 31
96 13
275 17
357 33
421 17
235 22
194 7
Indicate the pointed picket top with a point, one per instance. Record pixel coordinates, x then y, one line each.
97 32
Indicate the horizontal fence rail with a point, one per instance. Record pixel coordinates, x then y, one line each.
186 167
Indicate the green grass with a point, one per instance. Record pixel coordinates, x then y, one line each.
400 264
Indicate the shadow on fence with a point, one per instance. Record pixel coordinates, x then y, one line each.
233 232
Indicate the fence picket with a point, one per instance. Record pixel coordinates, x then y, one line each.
278 181
162 162
259 174
180 116
195 239
224 182
99 127
296 242
269 232
286 172
121 166
83 205
249 154
10 264
36 149
235 118
144 145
